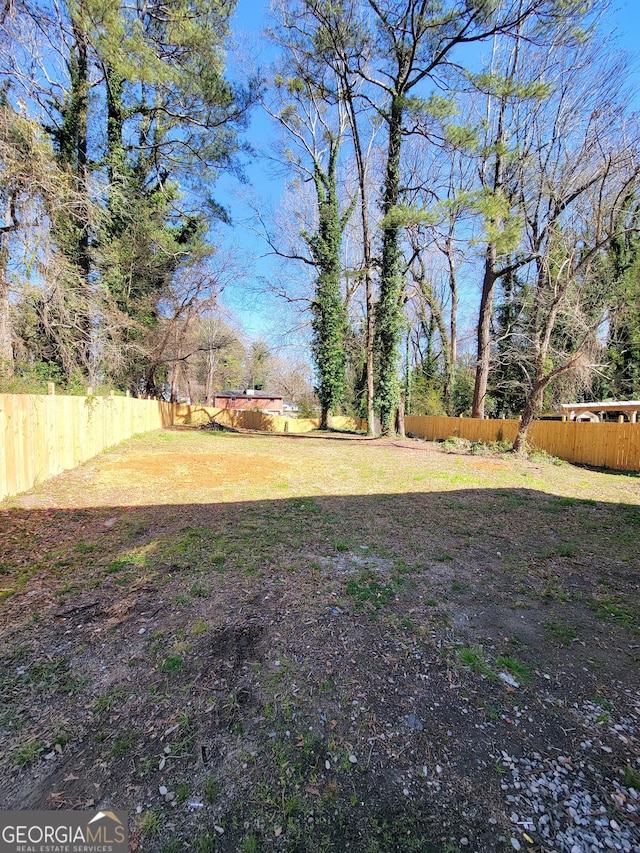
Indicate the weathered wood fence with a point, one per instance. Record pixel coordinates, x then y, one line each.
608 445
42 435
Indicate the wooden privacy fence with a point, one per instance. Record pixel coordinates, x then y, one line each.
608 445
247 419
42 435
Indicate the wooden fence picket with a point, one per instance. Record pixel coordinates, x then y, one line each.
42 435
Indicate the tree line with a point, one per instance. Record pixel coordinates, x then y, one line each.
452 164
115 121
463 161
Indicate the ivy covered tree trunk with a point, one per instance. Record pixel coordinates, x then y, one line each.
70 227
388 313
329 313
329 324
6 348
70 139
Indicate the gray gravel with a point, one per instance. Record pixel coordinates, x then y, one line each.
563 805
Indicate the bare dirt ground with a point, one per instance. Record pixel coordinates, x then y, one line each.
325 644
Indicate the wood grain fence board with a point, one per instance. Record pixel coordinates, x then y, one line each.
19 423
4 484
43 435
11 475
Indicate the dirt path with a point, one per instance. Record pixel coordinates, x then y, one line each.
297 643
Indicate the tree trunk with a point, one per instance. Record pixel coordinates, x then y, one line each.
407 372
6 348
366 251
532 407
80 96
208 382
490 278
370 346
388 309
175 378
115 122
484 334
400 417
453 333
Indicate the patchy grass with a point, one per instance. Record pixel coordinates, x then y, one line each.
300 639
474 659
559 631
519 669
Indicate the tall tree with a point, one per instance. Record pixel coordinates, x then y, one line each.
414 46
398 50
314 123
622 266
143 119
574 191
33 189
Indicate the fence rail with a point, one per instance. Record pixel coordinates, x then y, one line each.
43 435
608 445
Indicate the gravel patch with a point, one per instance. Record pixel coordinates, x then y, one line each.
567 806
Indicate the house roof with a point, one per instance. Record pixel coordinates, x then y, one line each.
609 406
253 395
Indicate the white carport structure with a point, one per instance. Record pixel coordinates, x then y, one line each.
630 408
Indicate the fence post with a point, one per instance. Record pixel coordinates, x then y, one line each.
51 388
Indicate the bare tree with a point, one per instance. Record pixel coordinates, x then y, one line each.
579 166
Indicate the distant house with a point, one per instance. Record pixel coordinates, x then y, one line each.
271 404
610 410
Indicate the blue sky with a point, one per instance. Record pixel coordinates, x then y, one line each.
259 317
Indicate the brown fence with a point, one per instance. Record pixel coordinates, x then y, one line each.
247 419
611 445
40 436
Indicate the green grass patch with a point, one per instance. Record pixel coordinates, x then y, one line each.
151 823
370 590
27 753
631 778
171 664
183 791
473 658
200 590
567 549
211 789
109 699
521 671
616 611
122 744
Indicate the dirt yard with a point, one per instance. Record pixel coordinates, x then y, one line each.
263 643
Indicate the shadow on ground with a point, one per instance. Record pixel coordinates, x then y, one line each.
322 673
